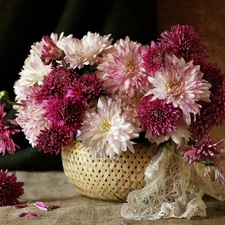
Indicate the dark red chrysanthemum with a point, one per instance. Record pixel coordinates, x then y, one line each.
65 112
211 114
87 88
57 82
152 58
184 42
52 140
213 75
158 117
10 189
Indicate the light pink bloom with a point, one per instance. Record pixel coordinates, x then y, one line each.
106 131
181 84
121 69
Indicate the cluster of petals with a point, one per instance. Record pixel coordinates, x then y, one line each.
10 188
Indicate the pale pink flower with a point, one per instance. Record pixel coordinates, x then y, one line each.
33 72
86 51
30 124
121 69
106 131
181 84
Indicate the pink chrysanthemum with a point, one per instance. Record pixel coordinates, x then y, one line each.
50 51
203 151
184 42
87 89
121 69
181 84
106 131
53 139
6 141
30 124
66 112
57 82
152 58
10 188
161 121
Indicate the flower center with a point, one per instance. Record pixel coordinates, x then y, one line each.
106 125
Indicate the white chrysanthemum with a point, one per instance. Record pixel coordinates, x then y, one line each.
87 50
181 84
107 132
33 71
31 120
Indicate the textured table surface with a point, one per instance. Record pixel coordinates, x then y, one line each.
53 188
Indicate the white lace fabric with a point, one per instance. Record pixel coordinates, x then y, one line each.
173 190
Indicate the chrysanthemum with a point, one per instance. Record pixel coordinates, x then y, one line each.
50 51
87 50
213 75
106 131
10 188
66 112
6 141
181 84
203 151
57 82
121 69
211 114
87 89
33 71
184 42
162 121
31 120
152 58
51 140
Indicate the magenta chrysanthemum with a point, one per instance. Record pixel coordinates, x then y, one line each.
152 58
158 117
66 112
87 89
203 151
6 141
10 188
52 140
184 42
57 82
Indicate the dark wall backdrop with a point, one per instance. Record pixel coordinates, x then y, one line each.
23 22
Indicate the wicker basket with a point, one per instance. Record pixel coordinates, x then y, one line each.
102 178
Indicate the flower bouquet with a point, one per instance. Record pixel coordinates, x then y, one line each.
110 95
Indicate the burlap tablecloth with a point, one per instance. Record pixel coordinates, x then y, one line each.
53 188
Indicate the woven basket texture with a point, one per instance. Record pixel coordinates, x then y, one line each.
101 178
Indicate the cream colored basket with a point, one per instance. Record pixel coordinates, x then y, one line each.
102 178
